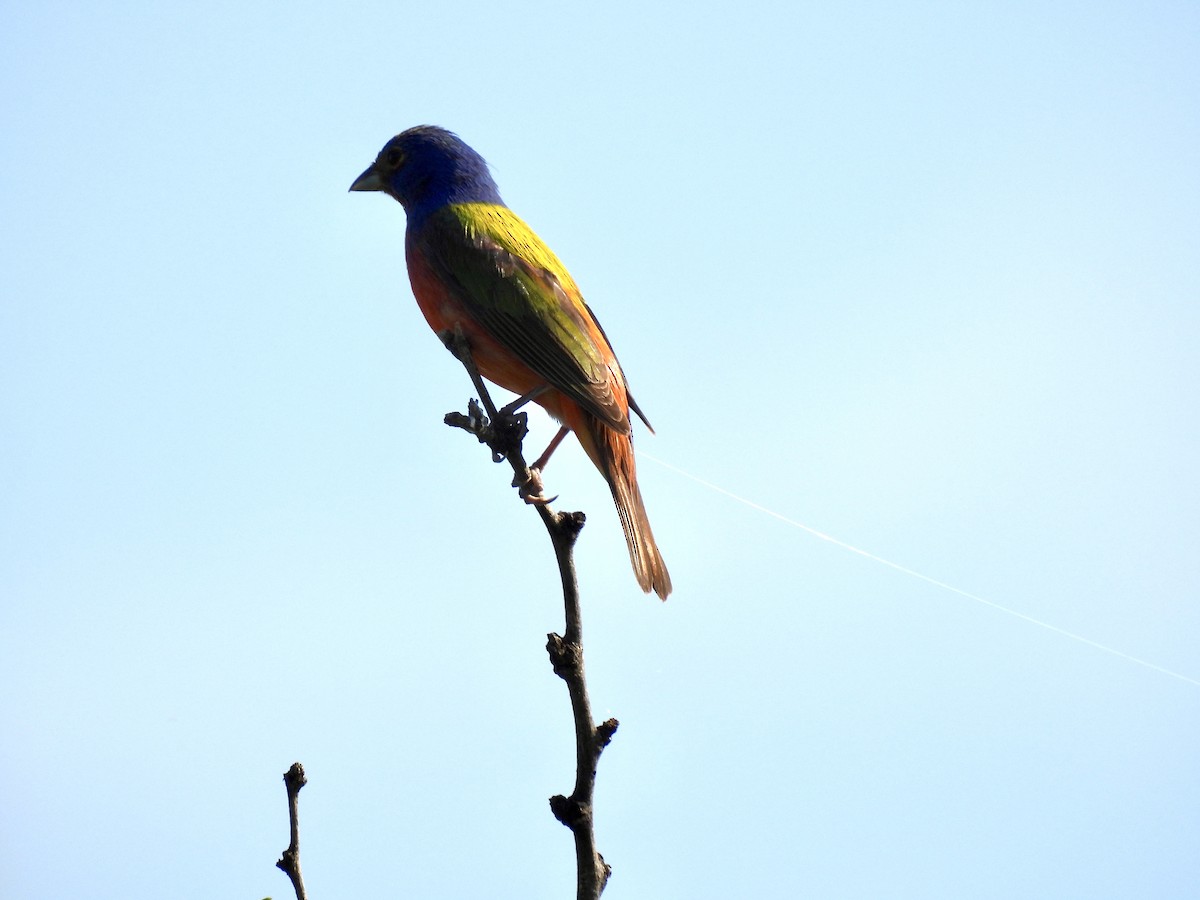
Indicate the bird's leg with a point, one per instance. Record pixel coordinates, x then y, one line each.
506 429
541 461
510 408
503 433
531 490
456 342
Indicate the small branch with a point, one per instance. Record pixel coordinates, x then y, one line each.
590 740
503 432
294 779
566 656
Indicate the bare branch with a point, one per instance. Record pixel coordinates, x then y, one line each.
294 779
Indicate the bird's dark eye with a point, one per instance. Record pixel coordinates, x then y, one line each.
393 157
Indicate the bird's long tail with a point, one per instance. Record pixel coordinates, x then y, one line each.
614 457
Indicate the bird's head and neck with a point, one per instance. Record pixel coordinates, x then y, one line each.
426 168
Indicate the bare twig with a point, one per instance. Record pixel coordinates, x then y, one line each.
294 779
503 431
566 655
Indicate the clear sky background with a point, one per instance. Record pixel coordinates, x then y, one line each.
921 276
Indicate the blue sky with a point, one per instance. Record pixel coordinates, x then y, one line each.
924 278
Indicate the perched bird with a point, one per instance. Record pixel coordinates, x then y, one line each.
476 266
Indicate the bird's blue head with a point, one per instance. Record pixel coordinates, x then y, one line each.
426 168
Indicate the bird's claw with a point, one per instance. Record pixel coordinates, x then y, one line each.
531 491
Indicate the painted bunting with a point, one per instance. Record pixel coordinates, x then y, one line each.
476 266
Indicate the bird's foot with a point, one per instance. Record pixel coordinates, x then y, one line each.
508 431
503 435
531 491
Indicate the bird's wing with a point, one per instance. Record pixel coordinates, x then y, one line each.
514 286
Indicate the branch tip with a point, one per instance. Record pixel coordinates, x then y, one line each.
294 779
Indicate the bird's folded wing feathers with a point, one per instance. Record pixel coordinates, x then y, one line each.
515 288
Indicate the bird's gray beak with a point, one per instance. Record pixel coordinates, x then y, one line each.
368 181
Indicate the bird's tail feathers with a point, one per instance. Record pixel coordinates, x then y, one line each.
620 470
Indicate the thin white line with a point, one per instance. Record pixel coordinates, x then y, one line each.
907 571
